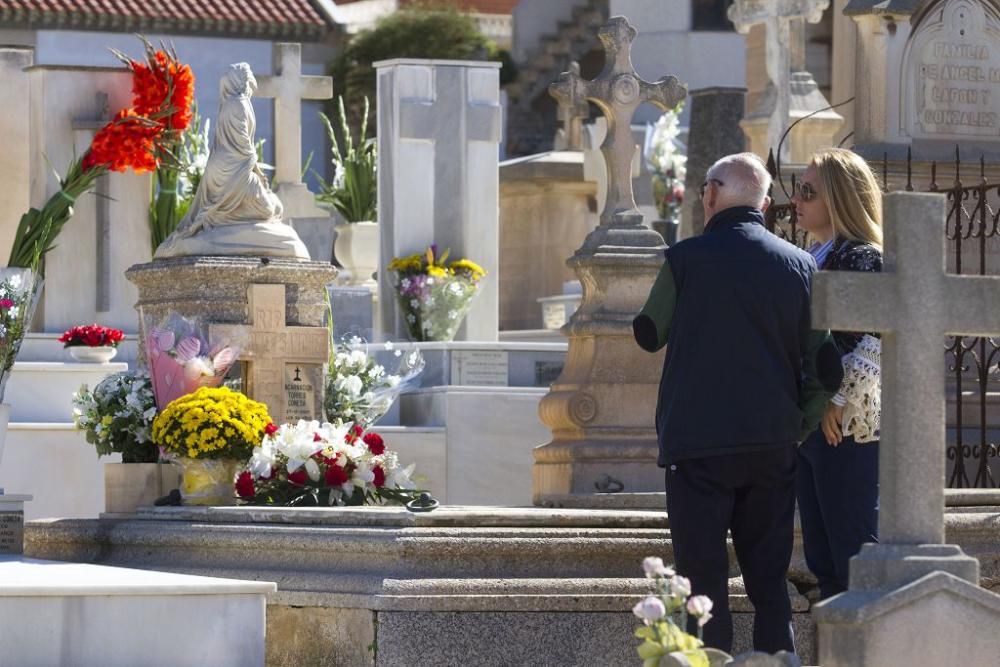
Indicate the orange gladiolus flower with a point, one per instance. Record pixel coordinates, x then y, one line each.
162 83
127 142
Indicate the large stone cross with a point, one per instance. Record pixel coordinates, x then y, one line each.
618 91
289 87
572 113
777 16
914 304
278 355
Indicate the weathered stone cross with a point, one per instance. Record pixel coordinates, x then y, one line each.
777 16
289 87
273 345
572 113
914 304
618 91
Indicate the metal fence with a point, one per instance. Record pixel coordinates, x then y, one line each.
972 230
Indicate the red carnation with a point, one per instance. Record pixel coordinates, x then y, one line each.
6 303
379 477
244 485
375 443
317 437
270 429
335 475
298 477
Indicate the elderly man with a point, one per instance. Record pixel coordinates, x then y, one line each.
740 388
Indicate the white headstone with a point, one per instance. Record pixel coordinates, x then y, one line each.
289 87
438 133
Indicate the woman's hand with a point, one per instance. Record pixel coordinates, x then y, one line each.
831 424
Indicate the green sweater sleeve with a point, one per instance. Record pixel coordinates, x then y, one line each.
821 376
651 326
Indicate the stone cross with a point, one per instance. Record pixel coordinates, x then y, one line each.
778 16
572 114
274 349
102 259
914 304
618 91
289 87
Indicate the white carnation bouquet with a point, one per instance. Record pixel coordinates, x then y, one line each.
117 416
359 390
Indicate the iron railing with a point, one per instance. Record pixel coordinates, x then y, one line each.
972 230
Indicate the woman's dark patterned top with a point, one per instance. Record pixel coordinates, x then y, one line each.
848 255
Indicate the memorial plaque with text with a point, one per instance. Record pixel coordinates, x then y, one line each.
953 71
484 368
11 532
301 393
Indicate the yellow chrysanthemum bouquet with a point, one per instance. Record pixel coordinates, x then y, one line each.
210 433
433 294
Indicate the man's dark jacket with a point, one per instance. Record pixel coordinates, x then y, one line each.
732 306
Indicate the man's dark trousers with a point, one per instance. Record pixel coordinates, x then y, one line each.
752 495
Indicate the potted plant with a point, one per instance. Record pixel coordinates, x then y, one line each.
433 294
353 194
92 343
117 417
210 434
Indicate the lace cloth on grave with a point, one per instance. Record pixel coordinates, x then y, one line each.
860 392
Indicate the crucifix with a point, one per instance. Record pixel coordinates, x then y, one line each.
914 303
102 196
618 92
289 87
273 350
784 50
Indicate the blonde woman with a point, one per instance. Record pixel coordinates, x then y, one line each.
839 202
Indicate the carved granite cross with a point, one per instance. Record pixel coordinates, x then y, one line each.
288 88
914 303
777 16
572 114
618 91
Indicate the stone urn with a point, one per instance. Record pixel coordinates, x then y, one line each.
129 486
93 355
357 248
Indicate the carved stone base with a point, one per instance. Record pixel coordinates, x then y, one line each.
885 566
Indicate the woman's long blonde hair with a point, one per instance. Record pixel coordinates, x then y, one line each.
852 195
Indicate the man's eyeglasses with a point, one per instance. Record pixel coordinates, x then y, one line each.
701 190
806 191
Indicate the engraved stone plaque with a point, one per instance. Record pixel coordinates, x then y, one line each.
11 531
302 395
952 73
485 368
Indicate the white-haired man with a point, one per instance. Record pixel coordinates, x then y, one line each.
744 379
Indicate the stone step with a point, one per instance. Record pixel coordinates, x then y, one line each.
42 391
51 610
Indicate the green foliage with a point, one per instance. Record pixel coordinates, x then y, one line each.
353 191
427 30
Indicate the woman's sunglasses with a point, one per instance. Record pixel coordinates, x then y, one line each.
806 191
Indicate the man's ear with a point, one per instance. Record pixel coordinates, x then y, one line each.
766 204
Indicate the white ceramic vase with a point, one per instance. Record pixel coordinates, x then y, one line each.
93 355
357 248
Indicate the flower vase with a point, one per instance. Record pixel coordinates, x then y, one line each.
20 290
357 248
93 355
208 481
129 486
434 308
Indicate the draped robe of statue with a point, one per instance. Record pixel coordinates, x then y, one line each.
234 211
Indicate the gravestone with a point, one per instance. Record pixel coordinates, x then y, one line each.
930 82
289 87
12 523
285 364
911 578
600 410
714 133
438 134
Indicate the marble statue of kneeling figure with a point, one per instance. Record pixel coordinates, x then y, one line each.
234 211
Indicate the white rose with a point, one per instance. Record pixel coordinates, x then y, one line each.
653 567
699 606
680 586
650 609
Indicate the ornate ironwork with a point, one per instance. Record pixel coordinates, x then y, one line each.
973 363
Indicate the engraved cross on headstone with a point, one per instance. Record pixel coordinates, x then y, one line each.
914 303
778 17
288 88
102 259
272 346
618 91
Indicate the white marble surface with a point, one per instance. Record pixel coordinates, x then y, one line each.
40 391
54 613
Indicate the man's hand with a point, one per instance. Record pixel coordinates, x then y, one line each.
831 424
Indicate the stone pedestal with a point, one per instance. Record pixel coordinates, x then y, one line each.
128 486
